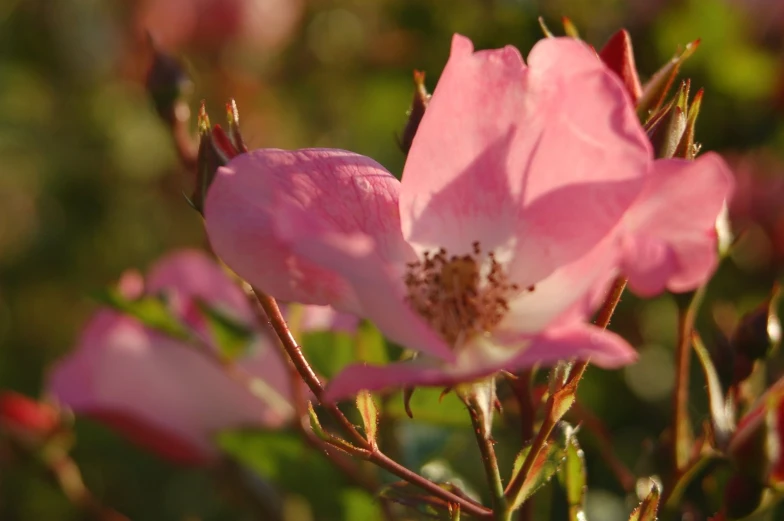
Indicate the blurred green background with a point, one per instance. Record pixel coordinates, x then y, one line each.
90 185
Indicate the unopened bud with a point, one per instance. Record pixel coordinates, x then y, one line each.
666 127
168 85
416 112
618 55
742 496
215 150
759 331
26 419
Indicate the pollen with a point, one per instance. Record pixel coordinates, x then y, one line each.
459 295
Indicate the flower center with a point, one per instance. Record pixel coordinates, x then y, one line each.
460 296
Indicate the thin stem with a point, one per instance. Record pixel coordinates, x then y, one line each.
485 443
515 487
521 387
372 454
602 320
69 478
682 435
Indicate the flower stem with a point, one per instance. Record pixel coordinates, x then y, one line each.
485 442
515 487
372 454
682 435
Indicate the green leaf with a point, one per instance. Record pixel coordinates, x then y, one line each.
369 412
550 458
152 311
572 476
328 352
430 406
646 510
233 338
655 91
721 411
370 345
416 499
294 468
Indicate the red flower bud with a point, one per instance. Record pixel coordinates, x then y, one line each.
618 55
23 416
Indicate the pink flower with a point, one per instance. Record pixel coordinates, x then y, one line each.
161 392
212 24
527 188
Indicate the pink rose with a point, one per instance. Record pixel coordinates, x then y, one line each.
527 189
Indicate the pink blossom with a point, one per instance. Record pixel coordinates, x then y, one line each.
162 392
212 24
526 190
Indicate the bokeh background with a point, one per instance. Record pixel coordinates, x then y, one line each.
90 185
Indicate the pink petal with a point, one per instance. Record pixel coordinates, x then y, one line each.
570 293
581 341
155 388
464 168
191 274
341 192
325 318
670 234
545 159
378 286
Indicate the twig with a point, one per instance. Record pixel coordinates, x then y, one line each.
485 443
294 352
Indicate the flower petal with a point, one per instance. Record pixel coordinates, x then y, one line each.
377 286
149 384
570 293
581 341
340 191
544 159
467 153
670 233
191 274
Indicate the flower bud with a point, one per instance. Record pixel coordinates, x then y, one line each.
167 84
742 496
667 126
756 449
618 55
416 112
759 331
26 419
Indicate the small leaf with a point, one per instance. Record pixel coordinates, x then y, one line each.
151 311
369 412
416 499
563 399
545 30
232 337
721 411
647 509
655 91
572 476
569 28
323 435
544 468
